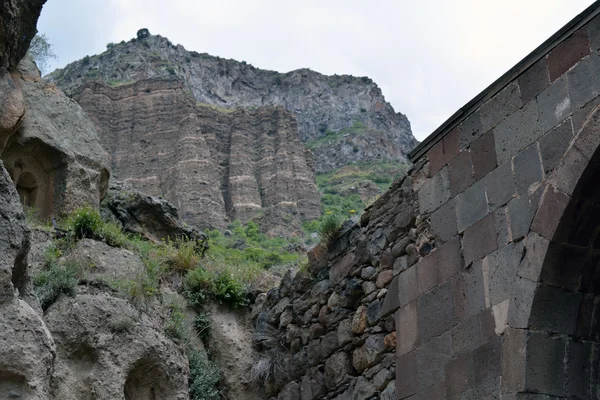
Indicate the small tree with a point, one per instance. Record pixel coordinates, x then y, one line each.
41 51
143 33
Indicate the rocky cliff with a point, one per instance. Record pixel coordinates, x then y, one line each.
214 165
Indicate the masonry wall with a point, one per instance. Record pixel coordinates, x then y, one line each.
478 317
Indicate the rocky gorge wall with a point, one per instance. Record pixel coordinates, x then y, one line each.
214 166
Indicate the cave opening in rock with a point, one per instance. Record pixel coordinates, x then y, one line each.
12 385
147 381
27 187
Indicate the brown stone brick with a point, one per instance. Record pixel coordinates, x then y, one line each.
534 80
568 53
436 158
406 375
550 213
449 259
407 328
451 146
480 239
428 273
460 171
483 155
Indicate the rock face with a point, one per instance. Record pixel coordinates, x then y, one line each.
321 103
214 166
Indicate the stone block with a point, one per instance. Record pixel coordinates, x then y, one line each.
436 158
502 268
531 265
369 354
554 105
469 292
389 393
471 205
443 221
431 361
527 168
339 271
487 360
513 367
480 239
551 210
533 81
291 391
435 191
483 155
384 278
594 33
521 214
407 283
407 329
500 186
466 335
470 130
373 312
449 259
555 310
406 375
337 368
436 312
588 138
460 171
584 80
520 304
489 390
503 104
460 374
391 302
363 389
545 372
344 332
571 168
359 320
553 145
568 53
517 132
502 226
569 267
451 145
579 370
428 275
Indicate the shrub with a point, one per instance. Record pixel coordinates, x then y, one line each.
204 377
113 235
329 229
85 61
202 325
175 326
363 110
57 279
230 290
143 33
85 223
185 256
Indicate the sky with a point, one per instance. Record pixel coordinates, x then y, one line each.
429 57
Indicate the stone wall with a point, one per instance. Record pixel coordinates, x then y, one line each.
331 325
502 307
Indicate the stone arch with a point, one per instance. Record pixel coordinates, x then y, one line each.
147 380
553 344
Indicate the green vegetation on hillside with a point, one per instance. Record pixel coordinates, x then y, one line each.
357 128
215 107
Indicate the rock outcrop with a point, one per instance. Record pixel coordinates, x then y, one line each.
321 103
214 166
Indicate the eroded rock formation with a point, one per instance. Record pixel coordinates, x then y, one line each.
214 166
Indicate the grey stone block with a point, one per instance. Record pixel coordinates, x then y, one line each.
549 213
487 360
391 302
521 302
443 221
467 335
503 104
428 274
489 390
471 205
436 312
500 185
554 104
517 132
435 191
483 155
584 80
469 293
545 372
554 144
470 130
460 374
431 361
407 284
503 265
527 168
406 375
407 329
555 309
579 370
460 172
521 214
449 259
502 226
513 363
594 33
571 169
480 239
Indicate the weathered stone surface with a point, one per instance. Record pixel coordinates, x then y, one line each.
566 54
18 27
337 368
363 389
384 278
435 191
471 205
369 354
480 239
460 172
359 320
500 185
533 81
517 132
139 359
340 269
554 105
503 104
470 129
291 391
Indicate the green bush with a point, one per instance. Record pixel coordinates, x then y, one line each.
204 377
185 256
229 290
86 223
329 229
55 280
113 235
175 326
202 325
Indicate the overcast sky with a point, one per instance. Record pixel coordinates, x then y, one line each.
429 57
